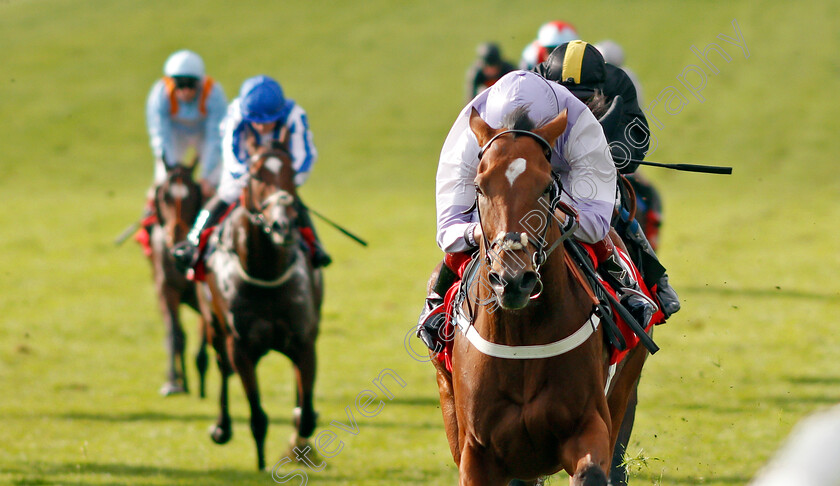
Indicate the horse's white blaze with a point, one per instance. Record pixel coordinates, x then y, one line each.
280 197
179 190
514 169
273 164
510 245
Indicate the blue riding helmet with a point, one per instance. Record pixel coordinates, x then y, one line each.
262 100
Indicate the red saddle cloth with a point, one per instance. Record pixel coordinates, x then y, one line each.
458 262
142 235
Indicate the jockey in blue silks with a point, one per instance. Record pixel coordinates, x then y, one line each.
256 119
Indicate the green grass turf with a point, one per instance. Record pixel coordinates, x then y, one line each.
754 255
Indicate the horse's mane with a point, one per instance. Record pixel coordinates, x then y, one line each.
597 104
518 119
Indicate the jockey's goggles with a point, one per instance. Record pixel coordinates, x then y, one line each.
185 82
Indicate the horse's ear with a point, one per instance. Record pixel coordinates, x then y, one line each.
552 130
483 132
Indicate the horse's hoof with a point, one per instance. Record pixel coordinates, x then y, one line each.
300 446
172 388
220 435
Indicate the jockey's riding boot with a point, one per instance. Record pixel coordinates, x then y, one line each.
320 258
432 317
668 299
620 276
186 253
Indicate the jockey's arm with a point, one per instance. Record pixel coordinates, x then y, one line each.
301 146
591 179
159 122
455 188
234 159
633 137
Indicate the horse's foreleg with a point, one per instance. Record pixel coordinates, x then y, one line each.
201 356
222 432
247 370
170 300
305 369
586 457
476 469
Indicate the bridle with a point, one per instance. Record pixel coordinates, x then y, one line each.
465 322
255 209
554 193
177 186
254 212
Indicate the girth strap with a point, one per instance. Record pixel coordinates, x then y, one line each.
527 352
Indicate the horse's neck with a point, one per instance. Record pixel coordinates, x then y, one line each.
260 256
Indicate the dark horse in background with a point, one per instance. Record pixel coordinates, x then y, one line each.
265 295
177 202
531 390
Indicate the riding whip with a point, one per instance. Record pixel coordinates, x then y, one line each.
338 227
131 229
706 169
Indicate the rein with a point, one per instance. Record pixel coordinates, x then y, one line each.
283 278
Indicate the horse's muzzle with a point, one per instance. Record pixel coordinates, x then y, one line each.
513 289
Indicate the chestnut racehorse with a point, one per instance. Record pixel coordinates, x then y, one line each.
177 202
265 295
531 391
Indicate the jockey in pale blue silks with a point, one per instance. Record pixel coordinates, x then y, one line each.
183 112
255 119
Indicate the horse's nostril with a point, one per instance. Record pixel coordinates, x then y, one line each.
528 281
495 279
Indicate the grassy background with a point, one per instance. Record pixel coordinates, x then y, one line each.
754 255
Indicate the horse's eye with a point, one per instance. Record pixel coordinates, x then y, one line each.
478 190
548 189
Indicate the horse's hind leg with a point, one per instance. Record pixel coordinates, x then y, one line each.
247 370
618 472
447 408
622 402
